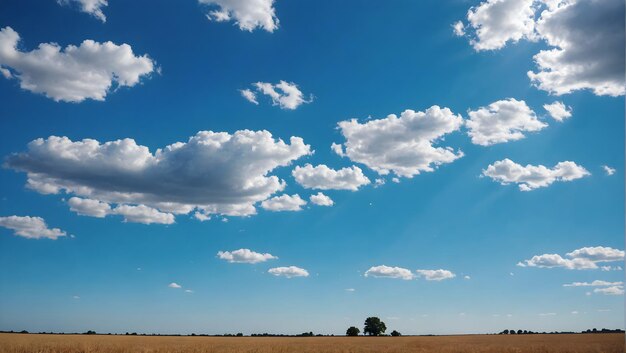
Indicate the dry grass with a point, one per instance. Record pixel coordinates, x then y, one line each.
590 343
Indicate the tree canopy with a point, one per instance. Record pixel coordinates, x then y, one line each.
374 327
353 331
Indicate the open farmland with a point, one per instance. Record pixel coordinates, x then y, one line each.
563 343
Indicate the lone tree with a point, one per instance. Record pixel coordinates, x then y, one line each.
395 333
353 331
374 327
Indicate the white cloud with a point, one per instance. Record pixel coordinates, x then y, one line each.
143 214
75 297
558 111
189 291
321 200
201 216
284 94
611 268
404 145
88 207
135 214
458 28
213 172
174 285
75 73
324 178
608 170
350 290
580 259
247 14
502 121
556 260
615 290
576 59
245 256
598 254
284 203
249 96
6 73
532 177
467 277
496 22
289 272
337 148
383 271
30 227
596 283
435 275
92 7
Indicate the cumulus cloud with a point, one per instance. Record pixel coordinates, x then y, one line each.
531 177
135 214
383 271
284 203
321 200
174 285
598 254
579 60
608 170
88 207
614 290
284 94
289 272
246 256
248 15
249 96
436 275
496 22
324 178
30 227
143 214
580 259
458 28
556 260
502 121
405 145
576 59
92 7
558 111
212 173
75 73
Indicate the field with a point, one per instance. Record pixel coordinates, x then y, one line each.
570 343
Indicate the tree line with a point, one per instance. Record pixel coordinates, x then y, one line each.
525 332
373 326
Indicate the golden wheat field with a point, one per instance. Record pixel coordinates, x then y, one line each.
565 343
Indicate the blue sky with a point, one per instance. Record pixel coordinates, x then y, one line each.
105 269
